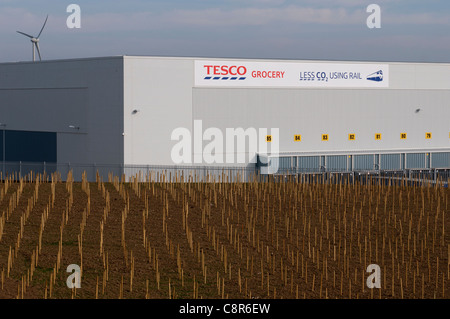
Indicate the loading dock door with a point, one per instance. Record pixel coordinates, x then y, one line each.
29 146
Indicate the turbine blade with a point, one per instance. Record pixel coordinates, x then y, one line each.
42 27
39 51
27 35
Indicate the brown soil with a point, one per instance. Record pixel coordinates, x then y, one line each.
249 240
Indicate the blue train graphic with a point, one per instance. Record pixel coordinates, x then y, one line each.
376 76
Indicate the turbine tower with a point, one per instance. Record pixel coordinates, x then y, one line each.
35 41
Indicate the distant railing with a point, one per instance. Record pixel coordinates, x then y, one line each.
125 172
217 173
406 176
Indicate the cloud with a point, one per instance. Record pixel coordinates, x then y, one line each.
416 19
20 19
264 16
347 3
259 2
252 16
293 15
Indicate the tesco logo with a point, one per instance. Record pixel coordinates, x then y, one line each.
225 70
221 70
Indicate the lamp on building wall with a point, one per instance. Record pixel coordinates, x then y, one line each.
74 127
135 111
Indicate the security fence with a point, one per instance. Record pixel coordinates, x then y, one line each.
361 162
223 173
125 172
397 177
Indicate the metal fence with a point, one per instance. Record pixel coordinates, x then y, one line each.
398 177
219 174
357 162
125 172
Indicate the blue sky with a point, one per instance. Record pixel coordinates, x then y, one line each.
411 30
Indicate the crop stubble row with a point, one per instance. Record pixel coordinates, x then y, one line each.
155 239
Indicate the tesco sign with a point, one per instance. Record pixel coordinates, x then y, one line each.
225 70
302 74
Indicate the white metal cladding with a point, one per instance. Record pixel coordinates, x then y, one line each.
160 90
338 113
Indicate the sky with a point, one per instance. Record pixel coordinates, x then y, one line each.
411 30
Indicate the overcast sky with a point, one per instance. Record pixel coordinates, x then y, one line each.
411 30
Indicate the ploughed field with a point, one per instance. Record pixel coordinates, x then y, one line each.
222 240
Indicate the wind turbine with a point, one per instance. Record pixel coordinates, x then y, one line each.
35 41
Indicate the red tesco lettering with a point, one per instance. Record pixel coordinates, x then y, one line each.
225 70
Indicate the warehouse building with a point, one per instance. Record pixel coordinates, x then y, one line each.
132 111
